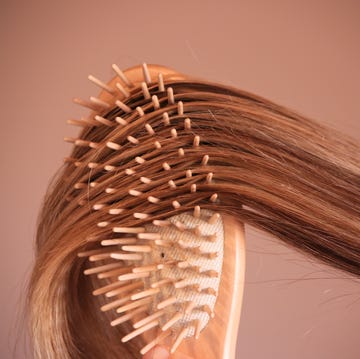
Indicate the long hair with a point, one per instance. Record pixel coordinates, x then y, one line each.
260 162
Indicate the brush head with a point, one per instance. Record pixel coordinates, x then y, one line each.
159 257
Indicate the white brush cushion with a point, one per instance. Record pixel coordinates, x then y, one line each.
196 255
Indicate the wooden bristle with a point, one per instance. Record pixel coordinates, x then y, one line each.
121 121
165 303
178 340
122 76
145 91
155 102
133 305
146 73
133 140
84 103
124 289
180 108
99 102
130 315
131 276
123 106
166 118
154 342
140 111
149 129
173 133
149 319
161 85
170 94
122 90
172 321
172 184
139 331
145 293
101 84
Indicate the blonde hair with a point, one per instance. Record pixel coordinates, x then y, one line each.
271 168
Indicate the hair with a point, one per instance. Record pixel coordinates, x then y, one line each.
272 168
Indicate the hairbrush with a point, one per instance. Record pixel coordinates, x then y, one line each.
150 205
167 268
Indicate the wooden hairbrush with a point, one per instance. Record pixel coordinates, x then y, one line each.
167 268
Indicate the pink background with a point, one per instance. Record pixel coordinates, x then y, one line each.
303 54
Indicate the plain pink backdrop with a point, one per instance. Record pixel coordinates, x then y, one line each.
303 54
